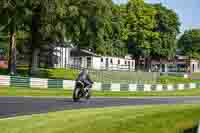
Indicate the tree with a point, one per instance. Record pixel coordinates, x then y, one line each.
40 22
117 35
44 28
3 43
88 23
168 27
13 13
189 43
144 30
140 24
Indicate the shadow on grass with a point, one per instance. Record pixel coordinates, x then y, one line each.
41 73
191 130
24 72
3 71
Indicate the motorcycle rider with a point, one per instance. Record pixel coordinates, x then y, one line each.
85 78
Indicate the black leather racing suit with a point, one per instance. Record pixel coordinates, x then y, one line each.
85 78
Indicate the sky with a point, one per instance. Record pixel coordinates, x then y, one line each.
187 10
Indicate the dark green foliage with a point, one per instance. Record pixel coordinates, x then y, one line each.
168 28
189 42
140 29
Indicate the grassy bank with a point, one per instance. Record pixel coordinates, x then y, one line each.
69 74
174 80
117 77
140 119
63 93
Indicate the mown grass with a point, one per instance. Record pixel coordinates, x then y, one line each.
139 119
175 80
196 74
5 91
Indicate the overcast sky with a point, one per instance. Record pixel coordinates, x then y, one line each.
188 11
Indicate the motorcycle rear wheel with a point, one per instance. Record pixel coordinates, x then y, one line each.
76 94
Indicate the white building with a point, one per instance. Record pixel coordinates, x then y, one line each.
63 57
180 64
72 57
194 66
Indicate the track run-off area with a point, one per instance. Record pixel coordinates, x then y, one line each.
19 106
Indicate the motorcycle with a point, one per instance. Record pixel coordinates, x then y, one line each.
81 91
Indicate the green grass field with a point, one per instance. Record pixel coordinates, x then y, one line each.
138 119
4 91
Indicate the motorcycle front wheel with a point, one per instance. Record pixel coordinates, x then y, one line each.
88 94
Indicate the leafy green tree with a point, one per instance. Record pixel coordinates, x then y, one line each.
13 13
140 24
44 27
168 25
4 43
88 23
144 30
117 36
189 43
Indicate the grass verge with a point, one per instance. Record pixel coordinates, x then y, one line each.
140 119
4 91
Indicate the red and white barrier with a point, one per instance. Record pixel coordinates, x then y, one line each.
4 80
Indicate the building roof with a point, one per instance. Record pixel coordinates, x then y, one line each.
82 52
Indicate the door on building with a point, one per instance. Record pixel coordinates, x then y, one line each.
193 67
129 65
89 62
107 63
80 62
163 67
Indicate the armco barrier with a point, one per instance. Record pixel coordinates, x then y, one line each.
15 81
54 83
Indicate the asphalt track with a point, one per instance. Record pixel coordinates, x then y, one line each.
18 106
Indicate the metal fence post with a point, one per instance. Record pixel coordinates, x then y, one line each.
198 130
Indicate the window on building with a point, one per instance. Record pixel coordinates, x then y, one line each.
111 61
107 62
89 62
118 62
125 62
80 61
193 67
101 59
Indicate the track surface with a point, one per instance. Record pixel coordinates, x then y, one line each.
17 106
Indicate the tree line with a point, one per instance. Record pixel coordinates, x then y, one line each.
143 30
